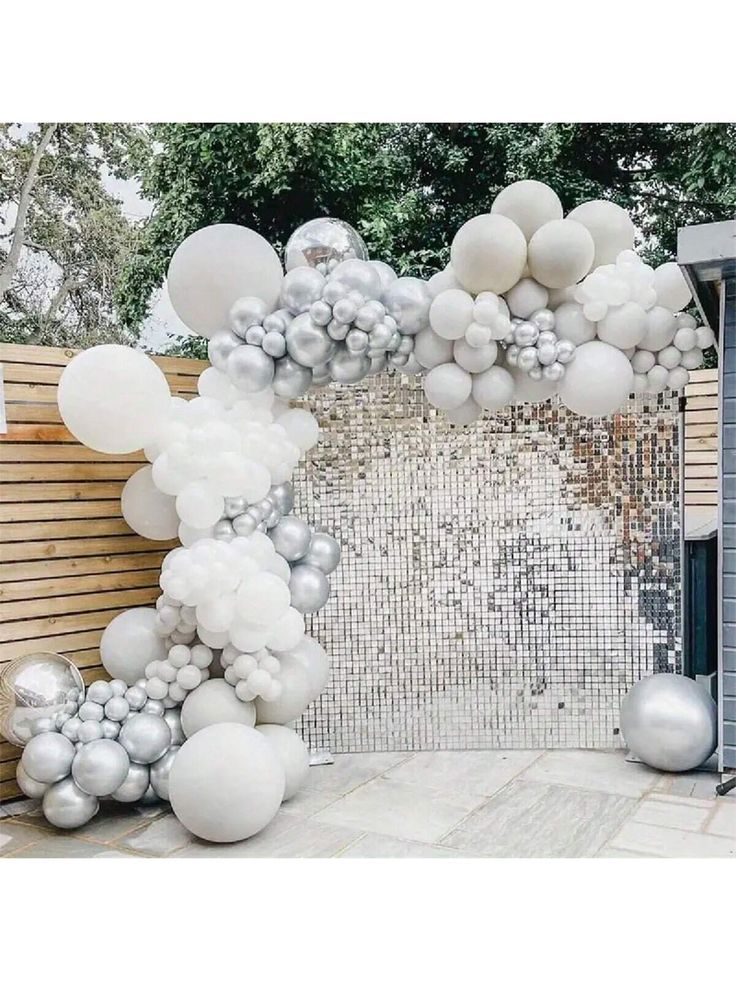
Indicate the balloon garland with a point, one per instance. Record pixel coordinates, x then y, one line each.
205 686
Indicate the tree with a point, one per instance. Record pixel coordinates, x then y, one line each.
408 187
64 237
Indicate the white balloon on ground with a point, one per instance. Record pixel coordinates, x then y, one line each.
529 204
130 642
148 511
226 782
465 414
571 324
489 254
214 267
623 326
113 399
212 702
494 388
293 754
610 226
671 287
561 253
597 381
447 386
430 349
526 298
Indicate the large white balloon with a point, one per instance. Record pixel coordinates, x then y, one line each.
526 298
129 643
113 398
226 782
560 253
623 326
451 313
489 254
529 390
430 349
529 204
571 324
214 701
494 388
148 512
661 327
612 229
597 381
447 386
214 267
671 287
293 754
312 657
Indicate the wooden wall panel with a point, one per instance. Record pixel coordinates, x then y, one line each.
68 561
701 442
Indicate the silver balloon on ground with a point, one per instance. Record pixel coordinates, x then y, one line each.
150 797
145 737
290 379
291 538
250 369
309 588
32 688
48 757
135 784
99 768
670 722
31 788
323 242
160 771
323 553
66 806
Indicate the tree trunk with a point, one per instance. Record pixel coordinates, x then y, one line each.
24 201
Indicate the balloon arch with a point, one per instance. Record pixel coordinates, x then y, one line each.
205 685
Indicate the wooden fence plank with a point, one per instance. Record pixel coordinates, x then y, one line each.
70 585
68 471
15 613
71 547
58 510
65 491
17 572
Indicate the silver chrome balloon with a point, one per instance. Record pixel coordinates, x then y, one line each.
35 687
135 784
670 722
66 806
246 312
100 767
408 301
290 379
322 241
291 538
250 369
235 506
160 771
309 588
48 757
356 276
300 288
30 787
308 343
349 368
145 737
282 496
172 718
220 346
323 553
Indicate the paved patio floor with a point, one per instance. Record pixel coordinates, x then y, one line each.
522 804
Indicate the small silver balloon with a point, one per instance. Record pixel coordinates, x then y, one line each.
250 369
150 797
160 771
154 706
91 712
290 379
255 335
547 353
70 729
408 301
544 319
553 372
110 729
235 506
291 538
30 787
99 691
223 530
349 368
300 288
536 373
309 588
323 553
378 364
356 341
35 687
528 358
274 344
135 784
282 496
307 343
136 696
145 737
66 806
89 731
565 351
244 525
321 240
220 346
512 355
172 718
245 312
526 334
100 767
48 757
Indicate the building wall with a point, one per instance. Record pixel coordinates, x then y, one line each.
501 585
727 547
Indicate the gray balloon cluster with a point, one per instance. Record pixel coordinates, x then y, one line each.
114 741
534 347
357 320
243 519
312 555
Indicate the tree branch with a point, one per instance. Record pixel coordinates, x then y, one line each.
24 202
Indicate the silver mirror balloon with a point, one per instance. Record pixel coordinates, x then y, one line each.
322 243
33 689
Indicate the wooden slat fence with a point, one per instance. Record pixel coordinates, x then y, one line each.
701 442
68 561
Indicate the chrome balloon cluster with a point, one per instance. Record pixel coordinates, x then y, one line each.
312 557
114 741
243 519
534 347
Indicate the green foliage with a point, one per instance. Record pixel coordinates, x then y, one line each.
408 187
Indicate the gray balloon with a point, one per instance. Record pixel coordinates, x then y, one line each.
291 538
135 784
136 697
408 301
66 806
348 368
323 553
31 788
145 737
309 588
307 343
290 379
250 369
378 364
110 729
160 771
300 288
220 346
282 496
172 718
100 767
670 722
154 706
48 757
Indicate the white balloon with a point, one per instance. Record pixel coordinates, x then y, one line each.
494 388
212 702
301 427
199 505
529 204
465 414
657 378
560 253
430 349
293 754
526 389
558 297
488 254
130 642
670 357
526 298
226 783
148 512
447 386
474 359
297 691
597 381
671 287
660 329
685 339
113 399
623 326
692 359
642 361
571 324
678 378
451 313
214 267
610 226
444 280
